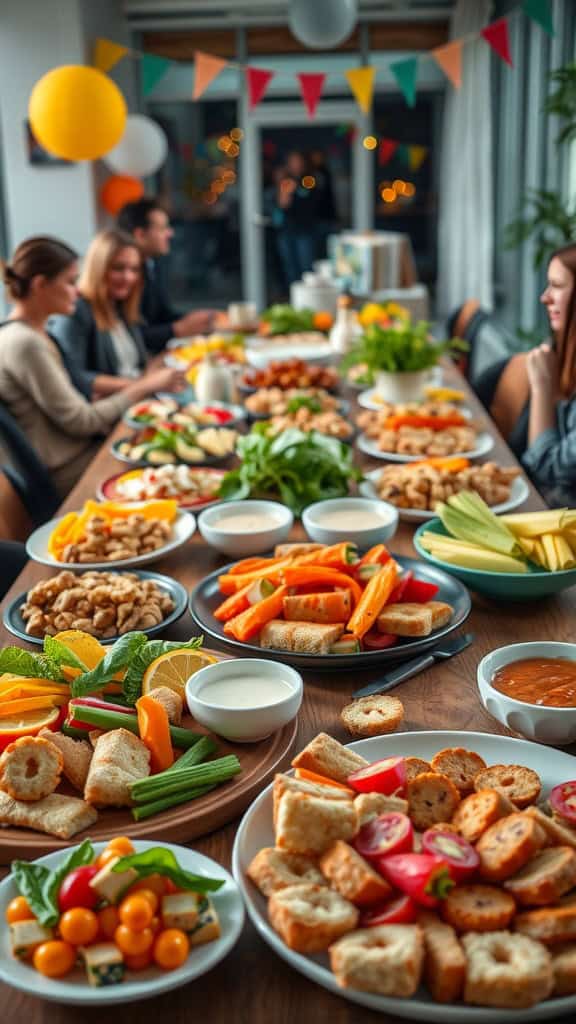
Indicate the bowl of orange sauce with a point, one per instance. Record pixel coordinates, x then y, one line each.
531 689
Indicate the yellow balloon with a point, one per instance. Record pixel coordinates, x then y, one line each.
77 112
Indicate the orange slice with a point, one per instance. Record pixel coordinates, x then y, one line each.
173 669
27 723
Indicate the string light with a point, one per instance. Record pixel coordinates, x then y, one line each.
309 181
369 142
409 189
233 150
236 134
388 195
224 143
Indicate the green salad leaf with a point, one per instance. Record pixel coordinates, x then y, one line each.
118 657
403 348
41 886
160 861
145 655
18 662
297 467
62 655
284 319
304 402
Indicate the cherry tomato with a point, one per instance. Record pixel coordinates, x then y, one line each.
170 887
150 895
138 962
563 801
122 845
75 890
387 776
375 641
156 883
136 913
133 943
382 836
171 949
108 922
401 910
106 856
18 910
79 926
54 959
156 925
459 854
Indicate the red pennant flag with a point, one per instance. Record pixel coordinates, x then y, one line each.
386 151
257 80
311 86
496 35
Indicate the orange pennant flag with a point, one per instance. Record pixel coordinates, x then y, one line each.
449 57
417 156
107 54
206 69
361 82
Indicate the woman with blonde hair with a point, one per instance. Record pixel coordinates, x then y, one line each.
101 340
60 424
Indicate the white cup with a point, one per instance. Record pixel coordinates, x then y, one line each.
242 314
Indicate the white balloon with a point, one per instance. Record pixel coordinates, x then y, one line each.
141 150
322 24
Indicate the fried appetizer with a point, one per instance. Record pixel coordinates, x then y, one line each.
310 917
445 963
521 785
77 755
386 960
508 845
30 768
326 756
352 876
309 824
460 766
479 811
405 620
372 716
545 878
431 798
272 870
170 701
506 970
119 759
302 637
550 924
57 815
478 908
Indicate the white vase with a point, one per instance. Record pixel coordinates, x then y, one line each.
402 387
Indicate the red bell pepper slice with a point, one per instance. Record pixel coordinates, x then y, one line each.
386 776
398 594
385 835
422 876
93 702
459 854
375 641
563 800
419 591
401 910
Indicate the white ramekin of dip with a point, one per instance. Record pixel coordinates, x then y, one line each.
244 528
245 699
365 521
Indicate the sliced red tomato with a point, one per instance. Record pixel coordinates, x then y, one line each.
375 641
563 801
75 890
459 854
401 910
385 835
386 776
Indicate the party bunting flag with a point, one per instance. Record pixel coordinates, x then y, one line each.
386 151
107 54
206 69
257 80
541 12
152 70
496 35
405 72
361 82
449 58
311 86
403 153
417 156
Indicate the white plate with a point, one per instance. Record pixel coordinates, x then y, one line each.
260 352
256 831
75 989
484 444
371 399
519 492
183 528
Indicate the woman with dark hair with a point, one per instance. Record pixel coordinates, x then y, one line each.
35 386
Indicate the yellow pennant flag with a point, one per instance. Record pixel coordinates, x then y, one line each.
449 57
107 54
361 82
417 156
206 69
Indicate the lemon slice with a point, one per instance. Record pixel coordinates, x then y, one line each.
84 646
173 669
26 723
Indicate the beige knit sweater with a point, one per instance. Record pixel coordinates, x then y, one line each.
58 421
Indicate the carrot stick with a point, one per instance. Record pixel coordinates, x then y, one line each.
321 780
295 575
452 464
337 556
373 599
154 730
253 565
251 621
456 419
232 584
233 605
377 555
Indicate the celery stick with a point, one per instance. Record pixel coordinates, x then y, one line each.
101 719
156 806
214 771
193 756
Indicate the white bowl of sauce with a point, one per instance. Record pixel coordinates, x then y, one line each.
244 528
365 521
531 688
245 699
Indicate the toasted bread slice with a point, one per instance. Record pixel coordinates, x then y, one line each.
550 925
459 765
506 970
77 755
372 805
508 845
557 833
478 908
441 613
119 759
445 963
372 716
545 878
310 917
405 620
386 960
328 757
287 783
57 815
564 967
415 766
273 869
521 785
479 811
309 825
352 876
301 637
431 798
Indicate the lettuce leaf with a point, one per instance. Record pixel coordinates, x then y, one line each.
145 655
41 886
160 861
18 662
118 657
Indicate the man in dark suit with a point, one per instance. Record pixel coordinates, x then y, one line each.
148 223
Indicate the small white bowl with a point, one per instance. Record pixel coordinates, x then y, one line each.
364 537
536 722
245 542
246 723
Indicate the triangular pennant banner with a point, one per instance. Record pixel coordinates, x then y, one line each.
311 86
206 69
417 156
403 153
386 151
449 58
541 12
257 80
152 70
405 72
496 35
107 54
361 82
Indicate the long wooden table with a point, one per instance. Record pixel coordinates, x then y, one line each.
252 985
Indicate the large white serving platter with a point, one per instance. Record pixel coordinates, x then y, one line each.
519 492
484 444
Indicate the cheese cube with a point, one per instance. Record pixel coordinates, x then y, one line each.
111 884
104 964
207 928
25 936
180 910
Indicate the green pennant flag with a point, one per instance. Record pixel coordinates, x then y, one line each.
403 154
152 70
405 72
541 12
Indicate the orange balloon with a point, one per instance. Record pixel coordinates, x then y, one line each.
119 190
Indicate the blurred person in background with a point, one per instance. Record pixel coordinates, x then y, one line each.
326 212
295 216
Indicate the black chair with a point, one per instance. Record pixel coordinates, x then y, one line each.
26 472
489 341
13 558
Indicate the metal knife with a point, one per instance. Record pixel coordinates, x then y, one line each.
415 665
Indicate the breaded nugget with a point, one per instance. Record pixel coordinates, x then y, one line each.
30 768
478 908
77 756
372 716
459 765
521 785
272 870
545 878
170 701
506 970
352 876
431 798
310 917
386 960
479 811
57 815
508 845
445 963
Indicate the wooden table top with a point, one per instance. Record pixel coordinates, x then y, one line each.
252 985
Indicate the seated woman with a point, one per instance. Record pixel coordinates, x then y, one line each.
101 341
35 386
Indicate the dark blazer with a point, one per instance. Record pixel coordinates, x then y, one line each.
87 350
158 315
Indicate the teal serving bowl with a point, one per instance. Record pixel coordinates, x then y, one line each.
502 586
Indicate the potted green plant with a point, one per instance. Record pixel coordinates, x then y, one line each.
400 358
